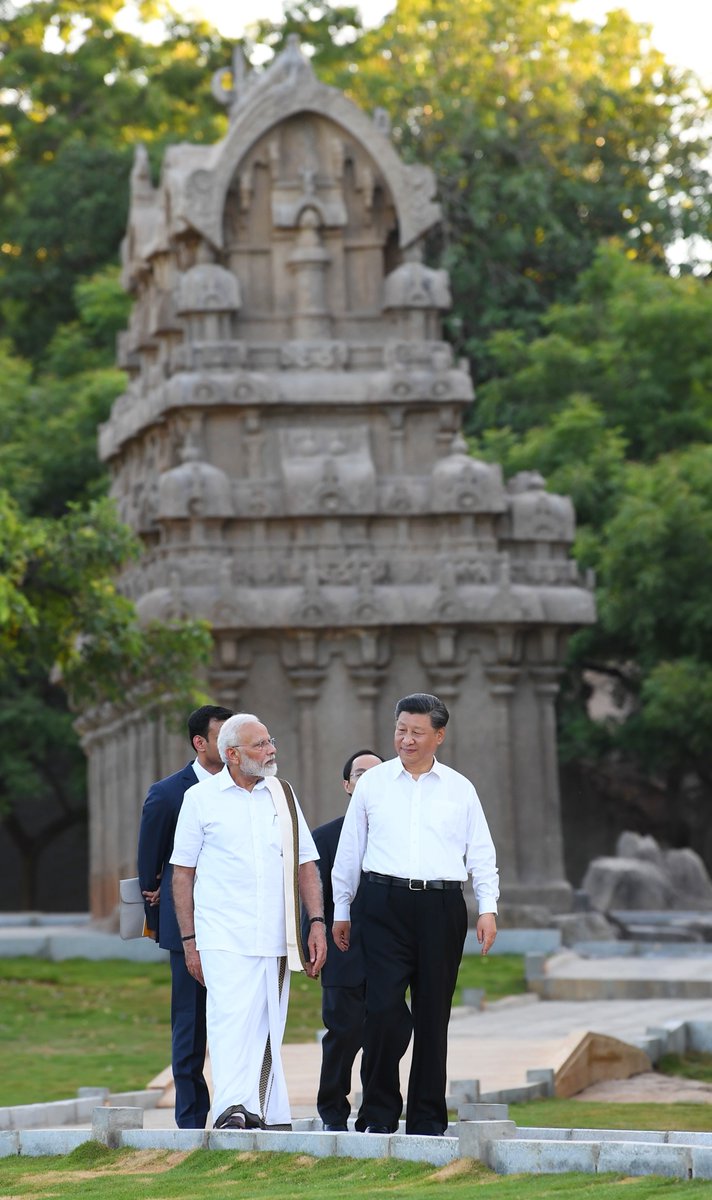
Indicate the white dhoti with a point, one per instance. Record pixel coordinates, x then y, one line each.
246 1016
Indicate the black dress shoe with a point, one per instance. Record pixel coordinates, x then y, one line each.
334 1128
377 1129
238 1117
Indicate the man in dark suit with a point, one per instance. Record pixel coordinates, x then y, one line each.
343 977
155 845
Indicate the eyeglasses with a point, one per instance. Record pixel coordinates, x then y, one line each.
258 745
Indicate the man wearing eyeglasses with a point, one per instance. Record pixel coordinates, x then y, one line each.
242 856
343 979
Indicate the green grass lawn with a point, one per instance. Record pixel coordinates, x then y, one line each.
95 1173
589 1114
107 1024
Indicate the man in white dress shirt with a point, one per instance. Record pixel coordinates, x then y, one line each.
417 829
238 914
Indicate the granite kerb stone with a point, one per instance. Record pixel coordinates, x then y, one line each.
512 1156
645 1158
438 1151
165 1139
36 1143
51 1114
9 1143
701 1162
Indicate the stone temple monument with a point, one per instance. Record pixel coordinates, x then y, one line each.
289 450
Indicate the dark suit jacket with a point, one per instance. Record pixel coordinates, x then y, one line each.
340 969
155 846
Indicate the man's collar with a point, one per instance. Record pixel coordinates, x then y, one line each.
398 768
225 781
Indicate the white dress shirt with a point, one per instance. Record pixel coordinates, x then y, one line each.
200 772
432 827
232 838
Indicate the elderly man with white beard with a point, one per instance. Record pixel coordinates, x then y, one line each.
242 857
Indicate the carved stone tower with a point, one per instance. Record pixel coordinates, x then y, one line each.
289 451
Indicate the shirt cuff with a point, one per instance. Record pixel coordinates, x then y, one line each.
342 912
486 905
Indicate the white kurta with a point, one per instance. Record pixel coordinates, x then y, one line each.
232 839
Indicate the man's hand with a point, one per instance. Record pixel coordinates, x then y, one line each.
341 933
486 931
316 944
192 962
152 897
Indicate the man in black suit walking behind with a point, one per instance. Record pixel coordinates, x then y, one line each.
343 976
155 845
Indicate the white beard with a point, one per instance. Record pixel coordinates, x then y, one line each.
250 766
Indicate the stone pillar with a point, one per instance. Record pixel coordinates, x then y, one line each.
303 662
502 682
309 262
546 688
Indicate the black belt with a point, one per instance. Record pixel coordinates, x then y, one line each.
415 885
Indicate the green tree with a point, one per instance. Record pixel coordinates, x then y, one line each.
77 93
63 622
634 340
613 404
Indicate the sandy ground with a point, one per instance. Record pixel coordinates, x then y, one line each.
647 1088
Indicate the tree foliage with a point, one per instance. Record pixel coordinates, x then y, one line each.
77 94
614 405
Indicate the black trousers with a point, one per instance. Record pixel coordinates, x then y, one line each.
343 1010
188 1045
410 939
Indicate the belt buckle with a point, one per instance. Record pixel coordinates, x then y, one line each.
417 885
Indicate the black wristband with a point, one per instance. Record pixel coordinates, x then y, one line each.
189 937
320 920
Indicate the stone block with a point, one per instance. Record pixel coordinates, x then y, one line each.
52 1114
543 1133
146 1098
320 1145
534 966
681 1138
98 946
516 1095
363 1145
419 1148
464 1091
525 941
165 1139
699 1036
654 1047
93 1093
108 1124
644 1158
543 1075
654 1136
12 946
701 1162
231 1139
9 1143
35 1143
474 1136
677 1036
483 1112
515 1157
473 998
